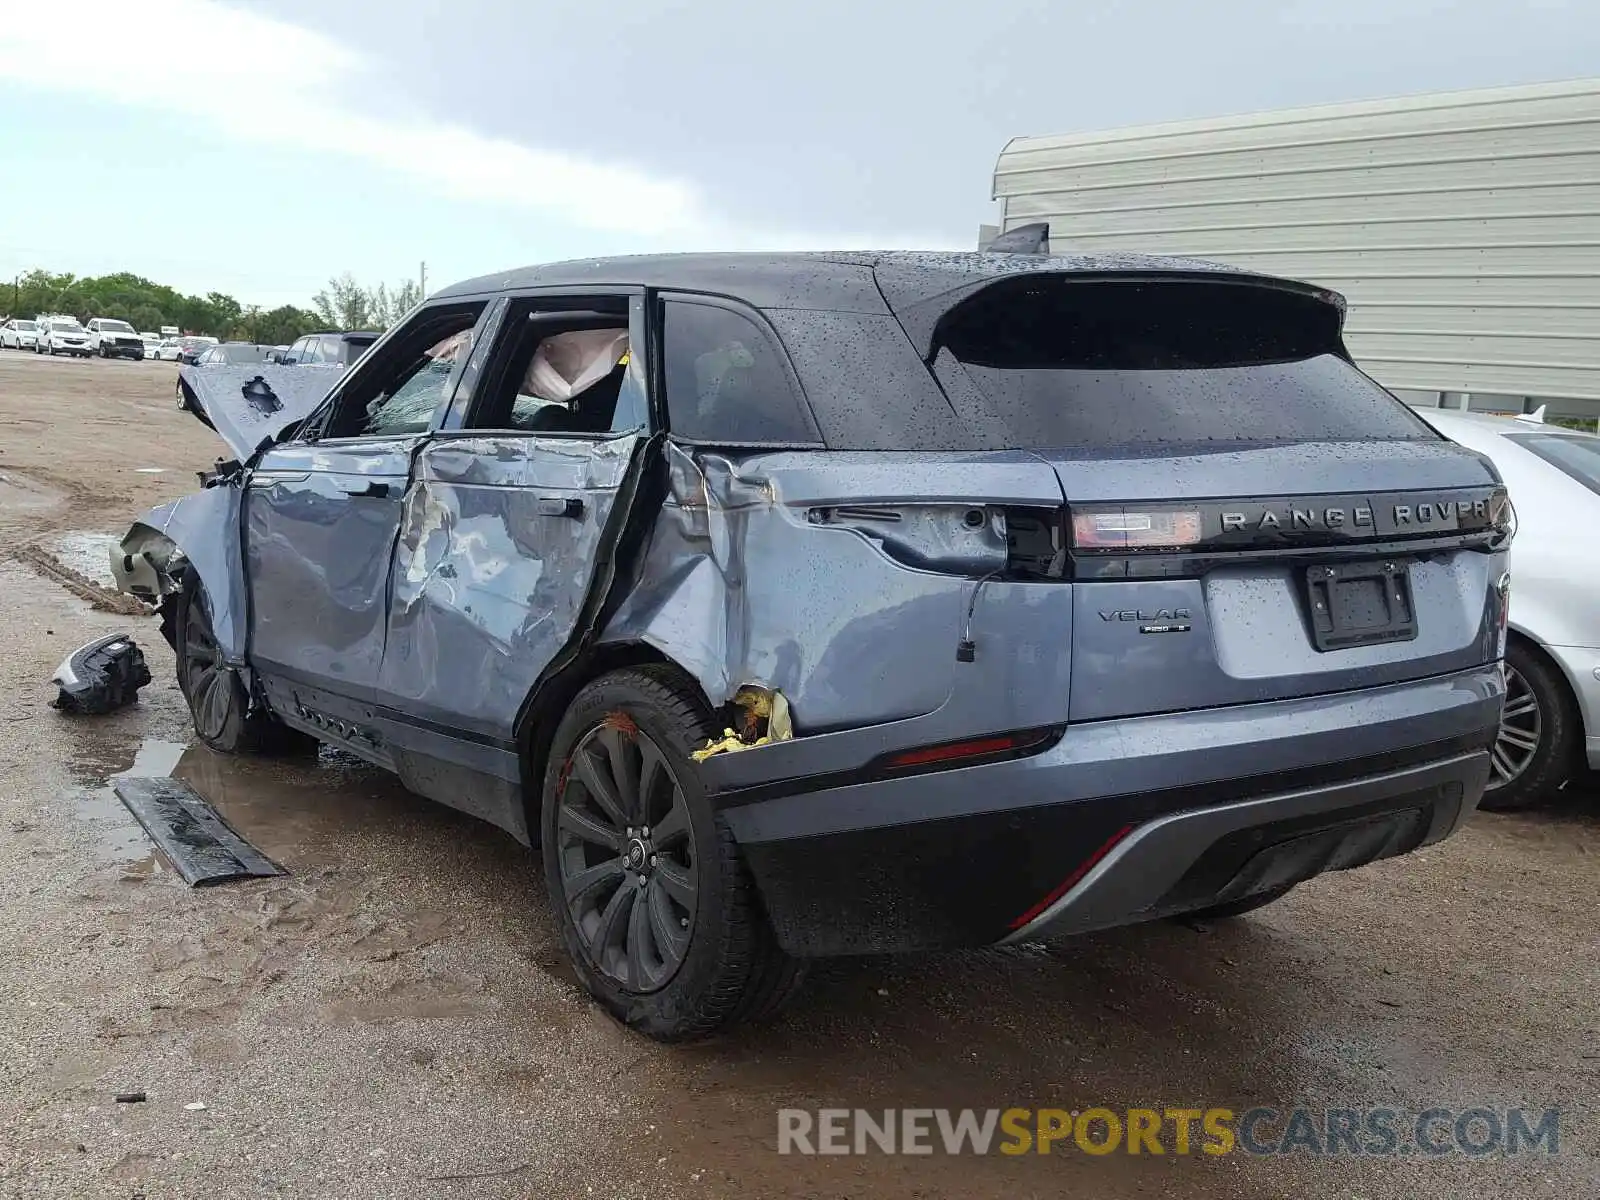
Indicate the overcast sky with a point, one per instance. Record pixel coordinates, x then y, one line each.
260 146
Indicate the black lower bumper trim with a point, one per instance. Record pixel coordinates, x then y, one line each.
963 881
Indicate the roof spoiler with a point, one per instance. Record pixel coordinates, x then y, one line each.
1024 239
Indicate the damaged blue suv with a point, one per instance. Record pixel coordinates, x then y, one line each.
809 605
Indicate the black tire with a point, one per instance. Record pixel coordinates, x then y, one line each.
640 725
219 706
1539 710
1237 908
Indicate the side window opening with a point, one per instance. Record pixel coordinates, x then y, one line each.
399 393
565 371
727 380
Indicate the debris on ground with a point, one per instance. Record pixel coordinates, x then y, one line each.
101 677
203 847
130 1097
762 718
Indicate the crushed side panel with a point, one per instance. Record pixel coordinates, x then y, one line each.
739 586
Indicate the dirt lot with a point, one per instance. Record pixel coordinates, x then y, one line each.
394 1018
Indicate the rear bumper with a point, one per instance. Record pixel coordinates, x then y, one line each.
1118 821
1217 855
1581 665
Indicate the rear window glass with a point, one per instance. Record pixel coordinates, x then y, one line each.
1048 362
26 326
726 379
241 354
1579 457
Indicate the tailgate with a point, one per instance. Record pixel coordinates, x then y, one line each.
1286 594
1248 516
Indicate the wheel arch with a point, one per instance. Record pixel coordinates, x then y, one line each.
542 710
1550 660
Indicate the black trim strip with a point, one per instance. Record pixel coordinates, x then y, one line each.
383 712
1192 565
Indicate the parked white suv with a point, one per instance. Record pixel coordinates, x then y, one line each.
19 334
110 338
62 335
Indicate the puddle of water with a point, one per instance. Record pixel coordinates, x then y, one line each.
118 837
89 554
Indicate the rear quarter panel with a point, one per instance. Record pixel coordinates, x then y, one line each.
739 585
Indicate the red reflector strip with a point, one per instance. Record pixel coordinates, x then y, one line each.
973 749
1071 881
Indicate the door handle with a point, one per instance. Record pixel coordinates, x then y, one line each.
372 488
560 506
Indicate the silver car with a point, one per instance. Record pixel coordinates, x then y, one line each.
1551 724
809 605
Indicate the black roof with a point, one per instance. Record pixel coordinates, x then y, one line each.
915 286
860 328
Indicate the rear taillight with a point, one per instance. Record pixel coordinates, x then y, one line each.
1124 529
1503 588
1503 514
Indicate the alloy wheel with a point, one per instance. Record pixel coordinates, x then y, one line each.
207 681
625 847
1521 728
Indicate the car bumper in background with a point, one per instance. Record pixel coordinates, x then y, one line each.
1582 667
1118 821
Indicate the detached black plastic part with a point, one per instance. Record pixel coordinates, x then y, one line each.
204 848
101 677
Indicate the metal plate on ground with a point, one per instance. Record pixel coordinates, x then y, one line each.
202 846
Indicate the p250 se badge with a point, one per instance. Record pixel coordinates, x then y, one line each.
1152 620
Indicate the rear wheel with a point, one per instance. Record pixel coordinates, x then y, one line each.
655 907
1533 753
218 702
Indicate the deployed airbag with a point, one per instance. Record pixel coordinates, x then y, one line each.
567 364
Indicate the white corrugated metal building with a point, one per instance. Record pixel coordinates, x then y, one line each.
1464 228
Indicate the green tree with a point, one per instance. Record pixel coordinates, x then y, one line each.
146 318
282 325
344 304
148 305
